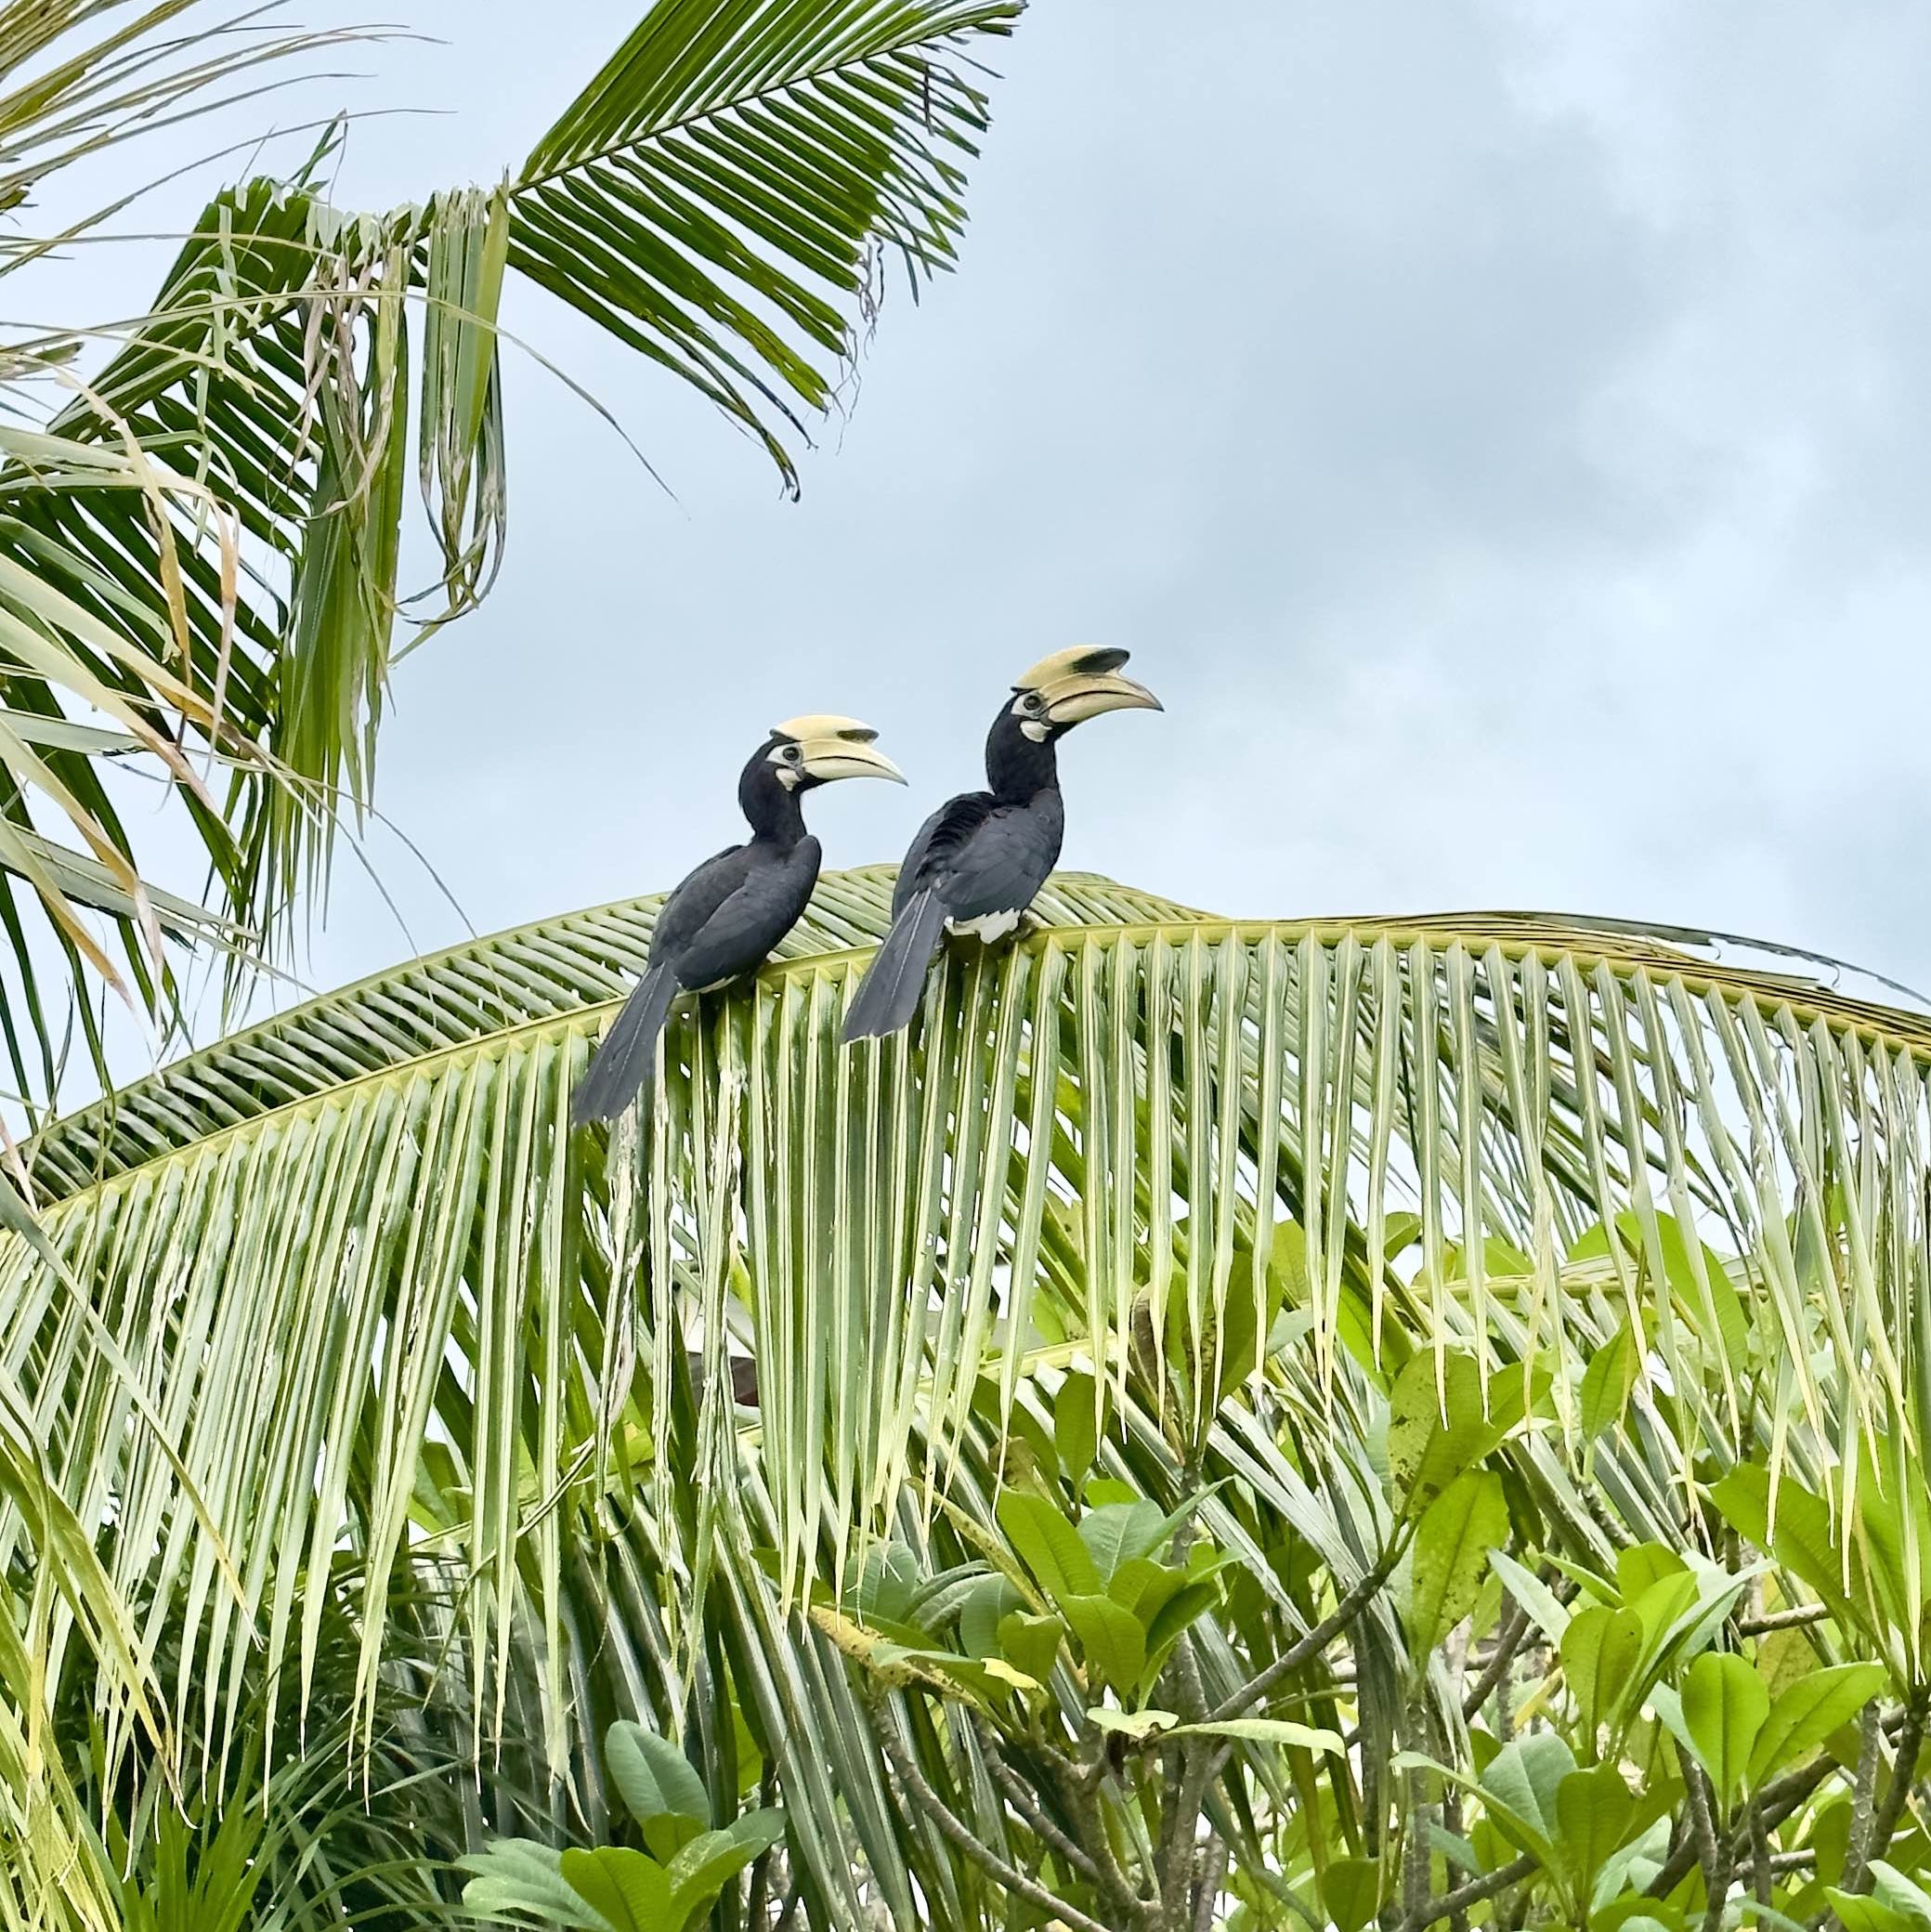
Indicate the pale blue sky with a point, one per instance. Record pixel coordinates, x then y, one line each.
1498 430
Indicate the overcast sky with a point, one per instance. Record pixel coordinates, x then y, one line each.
1501 432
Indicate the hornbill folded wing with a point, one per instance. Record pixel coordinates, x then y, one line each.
979 861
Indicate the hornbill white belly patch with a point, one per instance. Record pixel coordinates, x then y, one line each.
988 926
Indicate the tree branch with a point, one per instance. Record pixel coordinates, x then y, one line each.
1211 1880
1200 1761
1508 1640
1189 1771
1212 1761
1080 1795
1783 1796
1863 1794
907 1775
1022 1801
1709 1853
1415 1851
1452 1823
1761 1871
1181 1765
1476 1892
1775 1801
1904 1771
1782 1620
1317 1639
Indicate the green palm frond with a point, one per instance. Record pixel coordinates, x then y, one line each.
199 540
48 1875
1487 1139
78 77
730 163
550 970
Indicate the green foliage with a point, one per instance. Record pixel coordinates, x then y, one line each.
1424 1611
1607 1382
1444 1420
1075 1429
1895 1903
1583 1813
1724 1705
665 1796
688 1863
1468 1520
1101 1584
1808 1712
1600 1651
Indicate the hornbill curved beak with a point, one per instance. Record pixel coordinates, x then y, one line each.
1082 683
831 747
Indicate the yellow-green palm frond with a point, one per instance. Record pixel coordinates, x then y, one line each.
375 1293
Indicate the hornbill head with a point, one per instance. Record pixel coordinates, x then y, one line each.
818 748
1061 691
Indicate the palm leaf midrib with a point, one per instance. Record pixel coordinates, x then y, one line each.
857 899
1897 1028
928 35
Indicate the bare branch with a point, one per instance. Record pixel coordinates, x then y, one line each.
1710 1854
913 1788
1515 1626
1863 1795
1782 1620
1022 1801
1904 1771
1474 1893
1211 1879
1256 1689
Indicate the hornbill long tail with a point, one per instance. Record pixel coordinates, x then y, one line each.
627 1058
719 924
896 977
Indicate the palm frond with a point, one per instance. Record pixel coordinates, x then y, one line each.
1511 1142
201 542
713 196
79 77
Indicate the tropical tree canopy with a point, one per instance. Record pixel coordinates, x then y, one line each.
1222 1417
200 535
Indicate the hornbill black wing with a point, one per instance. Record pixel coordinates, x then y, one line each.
980 855
622 1064
684 914
999 864
720 922
888 996
766 900
936 840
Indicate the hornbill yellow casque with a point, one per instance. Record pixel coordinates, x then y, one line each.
980 858
722 922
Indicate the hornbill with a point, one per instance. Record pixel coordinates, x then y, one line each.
980 858
719 924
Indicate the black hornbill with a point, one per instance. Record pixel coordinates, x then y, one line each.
722 922
980 858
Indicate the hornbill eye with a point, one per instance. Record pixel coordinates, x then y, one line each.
794 754
1032 701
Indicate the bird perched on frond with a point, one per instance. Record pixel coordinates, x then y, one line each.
979 859
721 924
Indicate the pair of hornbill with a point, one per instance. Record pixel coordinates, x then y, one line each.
974 867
